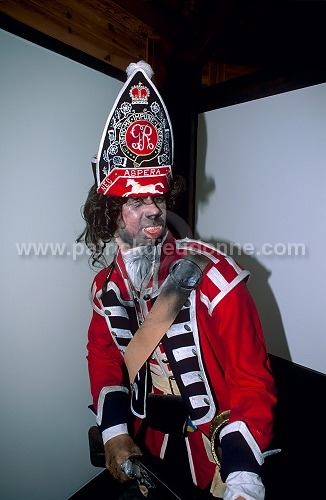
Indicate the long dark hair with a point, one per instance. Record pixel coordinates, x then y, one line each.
101 213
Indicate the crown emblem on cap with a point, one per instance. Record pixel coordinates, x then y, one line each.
139 94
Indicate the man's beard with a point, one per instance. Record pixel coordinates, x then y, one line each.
138 262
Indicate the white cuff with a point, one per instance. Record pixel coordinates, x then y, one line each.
244 484
114 431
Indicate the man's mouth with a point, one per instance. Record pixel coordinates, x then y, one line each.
153 231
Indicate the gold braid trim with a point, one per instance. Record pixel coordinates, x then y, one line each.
216 425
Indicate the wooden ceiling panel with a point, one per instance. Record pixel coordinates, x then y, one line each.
82 26
163 26
221 39
99 30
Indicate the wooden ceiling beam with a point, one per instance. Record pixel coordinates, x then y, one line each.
250 58
264 83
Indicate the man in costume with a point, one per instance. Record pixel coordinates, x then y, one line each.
211 351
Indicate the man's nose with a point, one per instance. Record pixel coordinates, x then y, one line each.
152 209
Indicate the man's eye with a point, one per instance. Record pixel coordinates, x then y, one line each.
135 202
159 199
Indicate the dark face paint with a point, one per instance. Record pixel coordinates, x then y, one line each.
142 221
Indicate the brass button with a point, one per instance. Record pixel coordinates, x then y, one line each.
187 303
107 312
187 327
206 401
114 334
147 297
194 351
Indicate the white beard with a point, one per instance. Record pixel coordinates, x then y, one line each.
139 262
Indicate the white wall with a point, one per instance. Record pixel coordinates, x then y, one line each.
53 111
261 179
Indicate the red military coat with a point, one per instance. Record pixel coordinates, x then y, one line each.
215 349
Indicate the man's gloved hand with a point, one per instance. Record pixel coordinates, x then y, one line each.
117 450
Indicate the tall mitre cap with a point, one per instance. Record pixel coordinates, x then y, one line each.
135 155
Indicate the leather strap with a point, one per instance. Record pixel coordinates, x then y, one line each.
172 297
